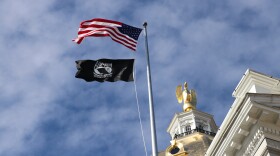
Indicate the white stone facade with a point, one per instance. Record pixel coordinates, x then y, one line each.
252 125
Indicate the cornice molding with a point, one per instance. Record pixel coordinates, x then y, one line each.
255 142
241 118
255 79
262 133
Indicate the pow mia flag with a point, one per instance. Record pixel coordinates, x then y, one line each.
105 70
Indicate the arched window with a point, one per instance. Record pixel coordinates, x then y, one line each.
188 128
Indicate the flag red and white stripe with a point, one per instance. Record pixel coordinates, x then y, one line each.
119 32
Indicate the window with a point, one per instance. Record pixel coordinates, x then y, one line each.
174 150
200 127
188 128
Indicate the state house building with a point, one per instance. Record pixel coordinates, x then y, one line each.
250 128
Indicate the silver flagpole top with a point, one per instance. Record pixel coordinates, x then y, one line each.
145 24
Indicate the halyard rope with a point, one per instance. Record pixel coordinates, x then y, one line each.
139 114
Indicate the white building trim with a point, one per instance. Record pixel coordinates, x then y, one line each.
253 120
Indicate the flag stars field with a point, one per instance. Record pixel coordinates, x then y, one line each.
130 31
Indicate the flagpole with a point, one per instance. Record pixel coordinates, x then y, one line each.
152 117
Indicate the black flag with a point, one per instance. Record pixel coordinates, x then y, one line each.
105 70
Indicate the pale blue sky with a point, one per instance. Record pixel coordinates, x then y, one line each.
46 111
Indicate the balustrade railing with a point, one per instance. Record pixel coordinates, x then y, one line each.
193 131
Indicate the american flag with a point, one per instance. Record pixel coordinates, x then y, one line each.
119 32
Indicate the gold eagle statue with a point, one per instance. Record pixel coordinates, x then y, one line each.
188 97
